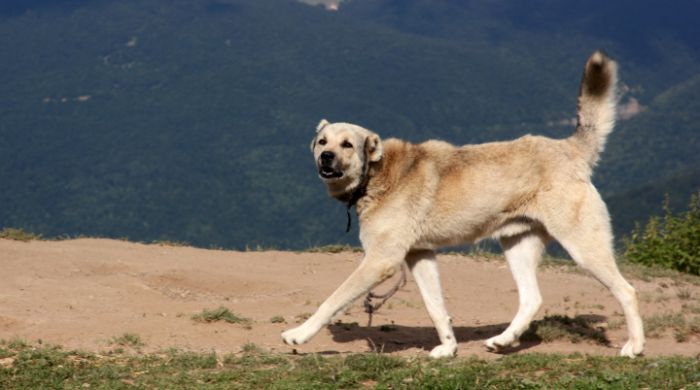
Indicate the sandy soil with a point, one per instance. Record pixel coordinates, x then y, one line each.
82 293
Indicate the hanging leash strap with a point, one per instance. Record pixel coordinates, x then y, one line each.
371 308
356 195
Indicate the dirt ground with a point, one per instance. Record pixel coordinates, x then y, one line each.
83 293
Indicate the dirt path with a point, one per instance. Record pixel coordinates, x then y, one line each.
82 293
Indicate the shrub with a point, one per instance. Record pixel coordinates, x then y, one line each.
670 242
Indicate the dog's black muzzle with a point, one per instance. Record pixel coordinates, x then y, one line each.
327 158
326 166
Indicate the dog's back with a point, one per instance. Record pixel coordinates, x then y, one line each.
463 194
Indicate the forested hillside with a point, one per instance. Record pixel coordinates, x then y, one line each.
189 120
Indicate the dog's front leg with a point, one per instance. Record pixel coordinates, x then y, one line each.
425 271
374 269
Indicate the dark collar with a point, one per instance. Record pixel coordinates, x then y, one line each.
356 195
353 197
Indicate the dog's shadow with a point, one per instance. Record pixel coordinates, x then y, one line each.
395 338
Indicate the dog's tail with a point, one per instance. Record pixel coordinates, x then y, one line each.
597 102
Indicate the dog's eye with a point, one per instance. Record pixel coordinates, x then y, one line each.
322 142
346 144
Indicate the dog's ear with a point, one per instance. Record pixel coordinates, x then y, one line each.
373 147
323 123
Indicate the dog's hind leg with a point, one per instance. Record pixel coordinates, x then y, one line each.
376 267
425 272
589 242
523 253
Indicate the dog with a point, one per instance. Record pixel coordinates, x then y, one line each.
414 198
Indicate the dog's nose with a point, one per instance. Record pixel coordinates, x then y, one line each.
327 157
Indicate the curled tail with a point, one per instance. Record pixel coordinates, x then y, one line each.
597 102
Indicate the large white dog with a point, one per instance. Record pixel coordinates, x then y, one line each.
412 199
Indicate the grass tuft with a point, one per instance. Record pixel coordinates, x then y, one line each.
657 324
128 340
220 314
683 328
684 294
277 320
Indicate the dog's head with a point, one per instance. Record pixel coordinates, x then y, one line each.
342 152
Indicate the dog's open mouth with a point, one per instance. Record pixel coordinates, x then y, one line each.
328 172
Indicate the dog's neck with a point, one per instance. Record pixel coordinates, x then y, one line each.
353 193
364 191
375 180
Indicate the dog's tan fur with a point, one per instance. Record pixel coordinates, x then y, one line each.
525 192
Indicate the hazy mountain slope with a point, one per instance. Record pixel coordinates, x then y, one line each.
635 206
661 142
190 120
646 37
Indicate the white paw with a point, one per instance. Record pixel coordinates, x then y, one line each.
444 351
632 349
503 340
298 335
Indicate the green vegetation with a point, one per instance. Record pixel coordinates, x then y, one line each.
189 120
26 367
170 243
671 242
220 314
277 320
333 248
683 327
632 207
128 340
648 273
684 294
18 235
